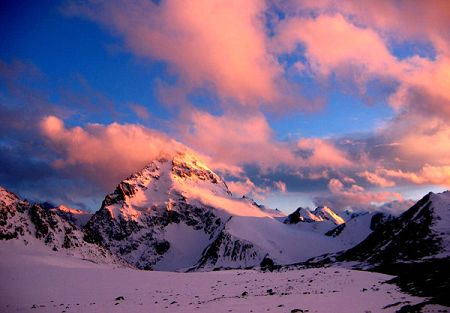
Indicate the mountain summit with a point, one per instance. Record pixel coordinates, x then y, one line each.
167 214
320 214
177 214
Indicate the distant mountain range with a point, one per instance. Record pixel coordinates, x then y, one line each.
177 214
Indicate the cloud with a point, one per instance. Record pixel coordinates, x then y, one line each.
335 44
247 188
422 21
323 153
281 186
235 139
249 140
104 154
376 179
332 41
428 174
140 111
354 196
205 42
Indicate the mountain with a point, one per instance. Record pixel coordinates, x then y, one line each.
75 216
326 214
422 232
302 215
320 214
177 214
415 247
36 226
165 215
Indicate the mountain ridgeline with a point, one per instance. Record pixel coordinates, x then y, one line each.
177 214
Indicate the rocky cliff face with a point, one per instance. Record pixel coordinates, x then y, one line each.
32 224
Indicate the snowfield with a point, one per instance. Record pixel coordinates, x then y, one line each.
34 279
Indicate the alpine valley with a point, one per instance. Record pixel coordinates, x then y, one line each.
177 215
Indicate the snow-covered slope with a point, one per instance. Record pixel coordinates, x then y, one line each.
35 280
357 228
32 225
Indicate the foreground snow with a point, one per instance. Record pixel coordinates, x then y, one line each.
38 280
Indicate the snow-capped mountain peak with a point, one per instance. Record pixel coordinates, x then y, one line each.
320 214
8 198
167 181
170 200
302 215
326 213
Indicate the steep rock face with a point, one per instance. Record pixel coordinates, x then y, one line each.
13 220
149 215
227 251
32 224
419 233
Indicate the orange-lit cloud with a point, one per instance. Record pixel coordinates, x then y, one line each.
222 43
140 110
247 188
241 139
323 153
343 196
281 186
106 154
428 174
332 41
334 44
236 139
226 47
376 179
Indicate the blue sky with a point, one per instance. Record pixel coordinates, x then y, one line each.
323 115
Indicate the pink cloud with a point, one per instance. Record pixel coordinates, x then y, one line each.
335 44
242 139
376 179
205 42
281 186
402 20
343 196
236 139
105 154
332 41
428 174
140 110
247 188
323 153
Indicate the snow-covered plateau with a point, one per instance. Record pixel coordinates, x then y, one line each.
35 279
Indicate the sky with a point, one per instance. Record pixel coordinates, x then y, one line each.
294 103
